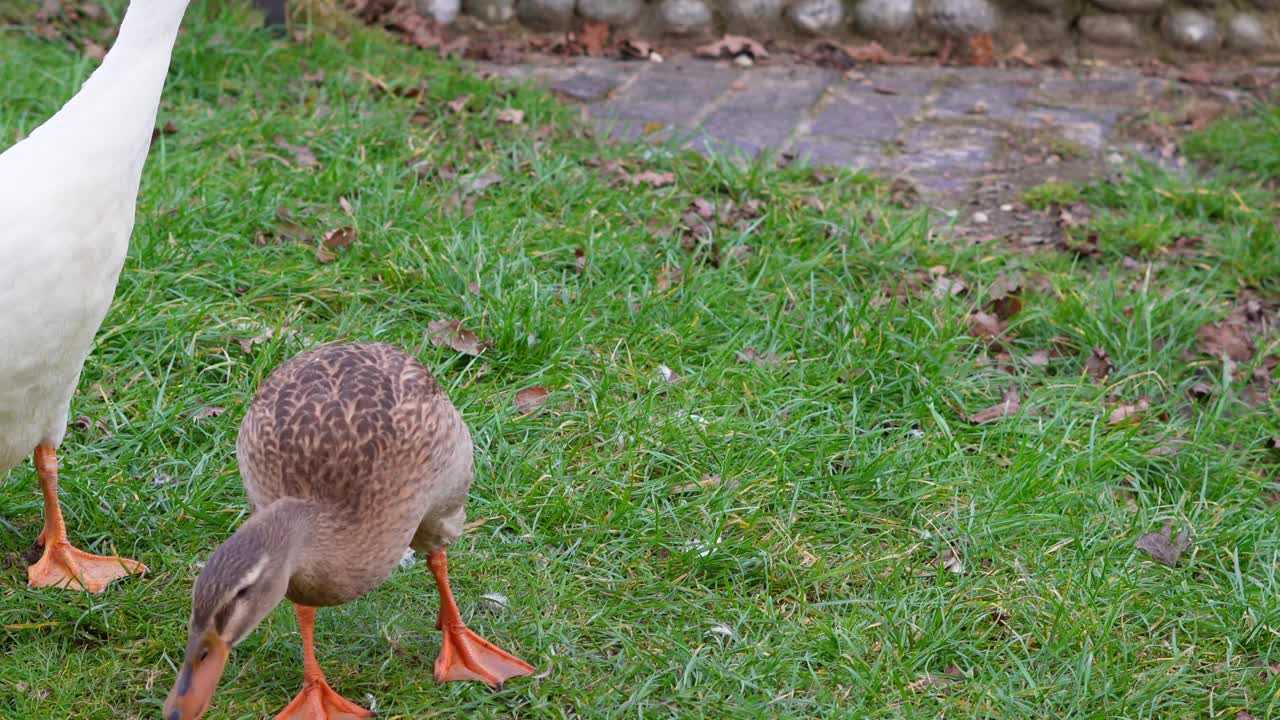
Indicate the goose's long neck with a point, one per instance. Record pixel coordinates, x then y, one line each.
112 117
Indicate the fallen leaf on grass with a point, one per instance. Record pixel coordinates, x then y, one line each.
1006 300
652 178
1039 358
749 355
945 287
731 46
510 116
982 325
1200 391
475 182
669 275
302 155
951 674
1258 391
1007 407
1129 412
451 334
1163 547
1225 339
202 413
84 422
458 104
1098 365
950 560
531 399
707 480
334 240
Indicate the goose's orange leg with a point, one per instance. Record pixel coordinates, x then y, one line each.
63 565
465 655
317 701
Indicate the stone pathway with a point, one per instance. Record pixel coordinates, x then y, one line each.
953 132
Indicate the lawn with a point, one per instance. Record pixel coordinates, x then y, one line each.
755 488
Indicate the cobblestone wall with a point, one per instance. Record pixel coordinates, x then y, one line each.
1138 27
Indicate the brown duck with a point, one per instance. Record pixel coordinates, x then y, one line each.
349 454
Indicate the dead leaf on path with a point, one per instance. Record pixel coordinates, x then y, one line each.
707 480
202 413
1163 547
982 325
1225 339
531 399
873 53
458 104
982 50
1019 54
1098 365
451 334
302 155
731 46
750 355
652 178
1129 412
510 116
594 36
1008 406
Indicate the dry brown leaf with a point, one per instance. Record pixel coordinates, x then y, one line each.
458 104
1098 365
531 399
950 560
1008 406
706 481
1006 300
731 46
1129 412
945 287
1163 547
1225 339
302 155
1200 391
594 36
982 51
874 53
451 334
202 413
652 178
766 359
1019 54
951 674
669 275
510 116
982 325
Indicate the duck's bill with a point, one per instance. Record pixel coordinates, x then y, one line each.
198 679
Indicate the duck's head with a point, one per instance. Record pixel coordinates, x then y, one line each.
244 579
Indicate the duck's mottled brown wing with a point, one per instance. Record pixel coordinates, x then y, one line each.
337 423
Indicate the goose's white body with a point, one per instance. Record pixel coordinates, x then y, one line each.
67 202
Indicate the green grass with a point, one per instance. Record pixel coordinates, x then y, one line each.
804 583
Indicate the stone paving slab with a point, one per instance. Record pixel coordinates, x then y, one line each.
948 130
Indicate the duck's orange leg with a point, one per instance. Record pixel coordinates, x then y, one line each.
63 565
465 655
317 701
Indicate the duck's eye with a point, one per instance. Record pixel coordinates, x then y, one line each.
204 653
242 592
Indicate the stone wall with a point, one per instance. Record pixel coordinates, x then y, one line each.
1156 28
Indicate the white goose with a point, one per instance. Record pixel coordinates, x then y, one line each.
67 201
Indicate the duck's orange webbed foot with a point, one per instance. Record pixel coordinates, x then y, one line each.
66 566
318 701
63 565
465 655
